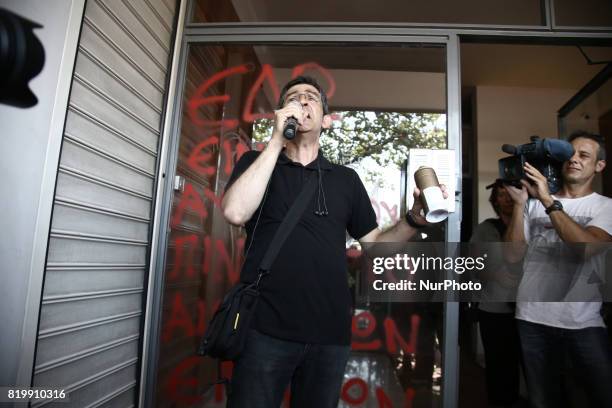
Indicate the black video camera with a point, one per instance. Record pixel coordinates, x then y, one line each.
547 155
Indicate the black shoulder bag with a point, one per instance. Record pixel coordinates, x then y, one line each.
227 330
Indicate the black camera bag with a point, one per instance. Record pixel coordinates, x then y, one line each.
227 330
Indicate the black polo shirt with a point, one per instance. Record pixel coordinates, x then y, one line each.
306 296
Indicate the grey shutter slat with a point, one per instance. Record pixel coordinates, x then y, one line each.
93 103
162 10
154 24
85 220
103 165
88 131
84 309
60 343
91 310
75 186
110 28
100 49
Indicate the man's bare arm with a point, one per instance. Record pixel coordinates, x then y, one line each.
400 232
242 199
244 196
572 232
568 230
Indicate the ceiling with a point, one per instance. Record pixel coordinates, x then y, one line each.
540 66
501 12
401 58
594 13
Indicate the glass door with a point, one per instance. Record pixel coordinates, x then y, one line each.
385 99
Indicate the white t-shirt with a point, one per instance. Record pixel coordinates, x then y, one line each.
547 269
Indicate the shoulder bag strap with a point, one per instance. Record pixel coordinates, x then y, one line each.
289 222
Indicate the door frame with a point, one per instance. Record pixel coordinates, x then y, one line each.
277 33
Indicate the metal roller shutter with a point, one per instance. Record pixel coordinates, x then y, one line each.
92 305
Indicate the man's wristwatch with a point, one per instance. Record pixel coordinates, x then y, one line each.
555 206
411 221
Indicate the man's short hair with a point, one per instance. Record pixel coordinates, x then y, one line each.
303 79
601 154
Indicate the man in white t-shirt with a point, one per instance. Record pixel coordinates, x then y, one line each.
548 329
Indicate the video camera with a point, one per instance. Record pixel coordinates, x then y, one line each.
547 155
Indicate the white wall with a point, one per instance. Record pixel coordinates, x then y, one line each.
510 115
29 142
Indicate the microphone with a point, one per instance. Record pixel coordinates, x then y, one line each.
291 125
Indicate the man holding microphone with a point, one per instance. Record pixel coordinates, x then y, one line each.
301 329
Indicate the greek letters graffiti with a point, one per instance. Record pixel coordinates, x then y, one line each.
216 259
181 319
265 77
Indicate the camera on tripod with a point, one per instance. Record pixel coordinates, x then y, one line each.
547 155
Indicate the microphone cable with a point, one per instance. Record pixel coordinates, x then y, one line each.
321 192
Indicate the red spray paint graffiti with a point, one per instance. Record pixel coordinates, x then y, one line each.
266 76
216 260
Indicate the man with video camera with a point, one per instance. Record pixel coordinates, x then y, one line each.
301 329
574 215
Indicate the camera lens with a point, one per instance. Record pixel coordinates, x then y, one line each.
22 57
